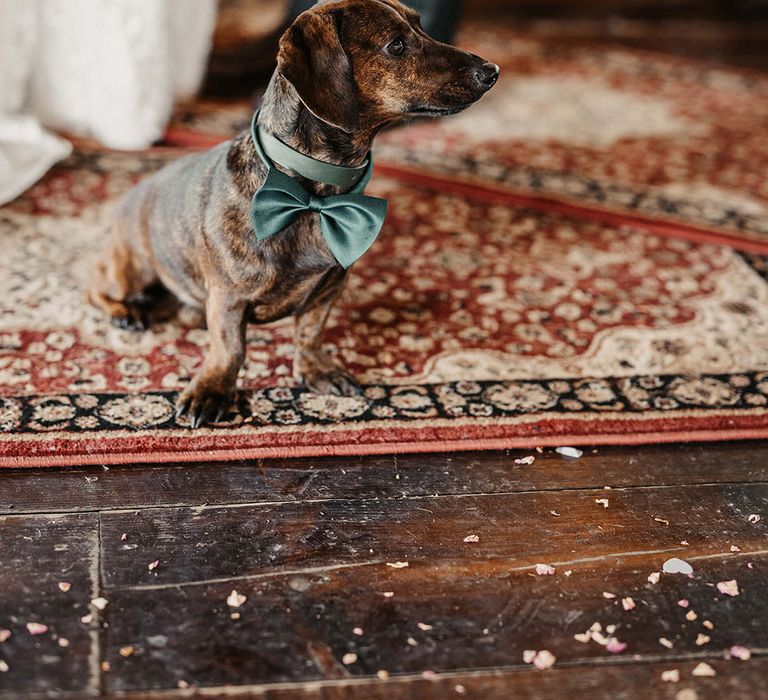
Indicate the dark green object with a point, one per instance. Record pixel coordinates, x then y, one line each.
349 222
438 17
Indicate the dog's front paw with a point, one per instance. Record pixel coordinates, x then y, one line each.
334 381
203 403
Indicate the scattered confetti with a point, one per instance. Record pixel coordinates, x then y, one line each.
691 615
609 596
734 548
708 624
382 675
754 518
124 537
423 627
614 646
728 587
654 577
87 619
662 520
540 659
125 652
388 594
671 676
739 652
64 643
235 599
685 543
349 658
702 639
583 637
4 634
527 461
99 603
429 675
627 603
358 631
460 689
235 616
412 642
398 564
153 564
677 566
545 570
571 452
472 538
567 573
64 586
703 669
665 642
4 667
602 502
36 628
544 660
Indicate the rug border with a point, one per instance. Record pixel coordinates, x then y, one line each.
127 458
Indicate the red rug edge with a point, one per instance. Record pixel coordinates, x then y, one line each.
498 194
347 450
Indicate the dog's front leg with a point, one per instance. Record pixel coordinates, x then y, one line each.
211 391
312 365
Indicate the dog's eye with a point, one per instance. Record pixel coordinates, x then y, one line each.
396 47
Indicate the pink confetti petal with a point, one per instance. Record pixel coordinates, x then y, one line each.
739 652
544 660
728 587
545 570
36 628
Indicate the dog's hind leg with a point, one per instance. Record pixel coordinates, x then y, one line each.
117 285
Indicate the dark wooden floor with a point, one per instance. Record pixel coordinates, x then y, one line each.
319 549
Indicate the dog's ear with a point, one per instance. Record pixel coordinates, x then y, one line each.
313 60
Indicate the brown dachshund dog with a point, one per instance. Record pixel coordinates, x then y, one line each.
345 70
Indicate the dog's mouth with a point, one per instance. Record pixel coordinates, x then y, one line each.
430 111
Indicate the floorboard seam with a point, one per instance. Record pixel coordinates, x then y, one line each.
342 567
373 499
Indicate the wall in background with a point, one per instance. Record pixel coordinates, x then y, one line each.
727 31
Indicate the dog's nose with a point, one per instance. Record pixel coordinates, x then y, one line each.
487 75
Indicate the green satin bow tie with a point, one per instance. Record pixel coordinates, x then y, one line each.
349 222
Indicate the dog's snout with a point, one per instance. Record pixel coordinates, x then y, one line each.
487 75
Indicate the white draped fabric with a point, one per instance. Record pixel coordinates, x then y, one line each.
106 69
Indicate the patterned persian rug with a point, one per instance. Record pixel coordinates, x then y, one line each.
563 282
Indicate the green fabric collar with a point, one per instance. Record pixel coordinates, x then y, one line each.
349 222
273 150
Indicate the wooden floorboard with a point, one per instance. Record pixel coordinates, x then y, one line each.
147 486
37 554
614 681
